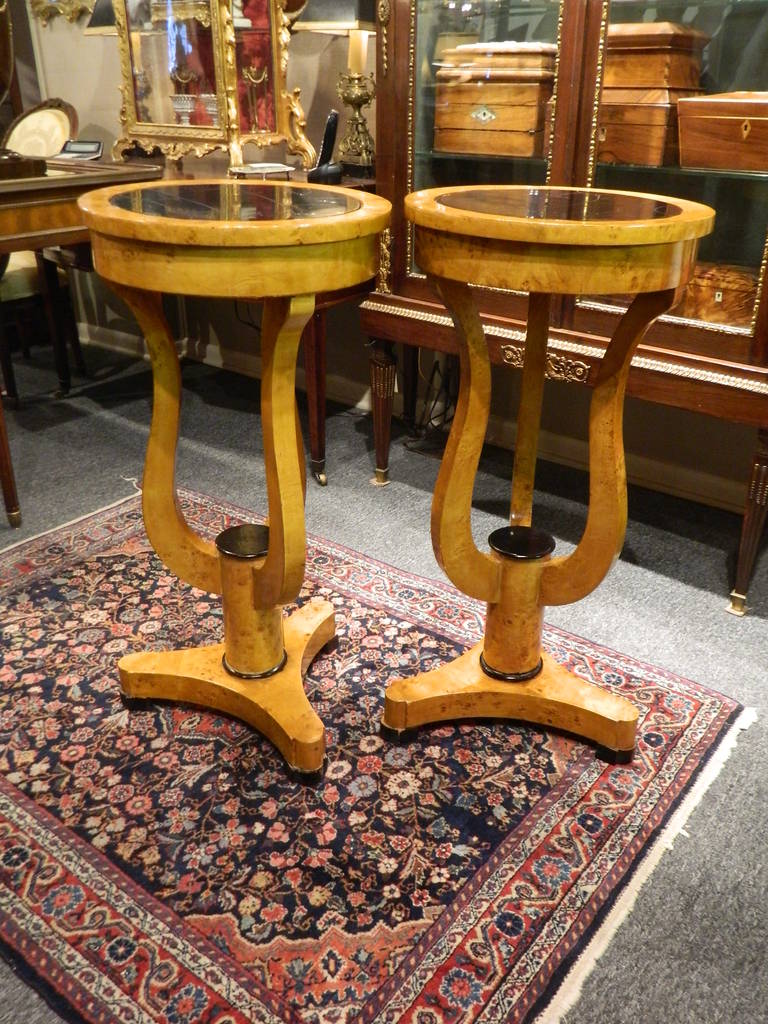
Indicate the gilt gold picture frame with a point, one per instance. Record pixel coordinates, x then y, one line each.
44 10
202 75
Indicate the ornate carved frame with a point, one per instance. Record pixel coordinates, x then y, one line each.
177 140
44 10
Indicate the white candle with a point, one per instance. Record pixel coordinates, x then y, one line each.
358 51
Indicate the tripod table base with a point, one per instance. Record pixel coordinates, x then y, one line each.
276 705
555 698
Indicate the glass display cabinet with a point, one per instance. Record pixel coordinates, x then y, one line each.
200 75
663 97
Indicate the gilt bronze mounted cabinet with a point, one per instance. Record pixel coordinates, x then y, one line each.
610 95
201 75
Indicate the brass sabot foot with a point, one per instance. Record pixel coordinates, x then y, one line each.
555 698
276 706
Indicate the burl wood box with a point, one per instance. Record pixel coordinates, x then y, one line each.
719 293
491 98
639 126
657 54
725 131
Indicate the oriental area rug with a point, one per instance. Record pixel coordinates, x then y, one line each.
160 865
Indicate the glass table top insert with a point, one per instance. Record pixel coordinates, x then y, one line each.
236 201
558 204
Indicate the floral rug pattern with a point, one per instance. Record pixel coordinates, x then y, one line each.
161 865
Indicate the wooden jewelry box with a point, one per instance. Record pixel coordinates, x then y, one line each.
655 54
719 293
725 131
639 126
491 98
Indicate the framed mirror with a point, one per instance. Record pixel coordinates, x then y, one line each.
44 10
201 75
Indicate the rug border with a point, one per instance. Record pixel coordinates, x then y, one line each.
568 980
113 873
73 522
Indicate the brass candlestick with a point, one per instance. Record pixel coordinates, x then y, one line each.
356 149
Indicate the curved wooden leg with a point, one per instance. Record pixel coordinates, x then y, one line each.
383 368
187 554
752 525
573 576
507 675
256 673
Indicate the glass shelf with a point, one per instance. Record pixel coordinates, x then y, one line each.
654 112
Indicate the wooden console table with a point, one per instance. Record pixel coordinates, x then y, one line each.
41 211
282 243
546 242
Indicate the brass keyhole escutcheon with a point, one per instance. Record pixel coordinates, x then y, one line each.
746 128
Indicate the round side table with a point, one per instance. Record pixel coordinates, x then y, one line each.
280 243
544 241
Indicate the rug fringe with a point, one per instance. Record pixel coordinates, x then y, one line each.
77 519
569 992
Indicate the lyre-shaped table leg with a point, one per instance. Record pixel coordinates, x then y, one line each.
507 675
256 674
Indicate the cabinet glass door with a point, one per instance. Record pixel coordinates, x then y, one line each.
684 112
484 76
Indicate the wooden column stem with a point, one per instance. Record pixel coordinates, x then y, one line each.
529 414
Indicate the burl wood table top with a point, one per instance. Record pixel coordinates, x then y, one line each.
558 240
225 238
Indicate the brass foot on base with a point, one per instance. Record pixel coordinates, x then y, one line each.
555 698
381 479
276 706
738 605
317 468
14 519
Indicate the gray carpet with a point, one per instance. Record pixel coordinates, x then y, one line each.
693 948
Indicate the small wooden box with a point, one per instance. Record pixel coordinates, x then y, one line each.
655 54
637 133
491 99
725 131
639 125
719 293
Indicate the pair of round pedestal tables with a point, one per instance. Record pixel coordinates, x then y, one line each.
283 243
